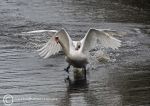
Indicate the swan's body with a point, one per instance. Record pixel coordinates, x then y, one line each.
77 59
76 51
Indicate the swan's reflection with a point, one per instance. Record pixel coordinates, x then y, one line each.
76 84
76 90
77 93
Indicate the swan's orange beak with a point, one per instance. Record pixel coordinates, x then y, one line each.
57 39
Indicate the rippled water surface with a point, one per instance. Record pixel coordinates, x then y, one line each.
33 81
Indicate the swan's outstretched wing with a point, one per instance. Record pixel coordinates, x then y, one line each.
95 37
41 31
51 47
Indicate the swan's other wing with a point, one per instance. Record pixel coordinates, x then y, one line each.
51 47
95 37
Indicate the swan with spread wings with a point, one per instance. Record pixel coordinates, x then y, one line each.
76 51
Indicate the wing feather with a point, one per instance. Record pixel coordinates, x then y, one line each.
50 48
99 37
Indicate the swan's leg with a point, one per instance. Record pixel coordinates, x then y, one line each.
67 79
84 69
67 69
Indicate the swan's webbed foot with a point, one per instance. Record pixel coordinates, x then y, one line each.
67 69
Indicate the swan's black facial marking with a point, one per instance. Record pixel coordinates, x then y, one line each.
78 46
57 39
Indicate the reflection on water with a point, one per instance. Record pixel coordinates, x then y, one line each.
75 93
121 82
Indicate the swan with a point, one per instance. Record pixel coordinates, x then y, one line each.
76 52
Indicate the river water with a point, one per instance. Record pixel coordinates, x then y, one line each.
33 81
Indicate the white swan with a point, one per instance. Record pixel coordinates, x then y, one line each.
76 51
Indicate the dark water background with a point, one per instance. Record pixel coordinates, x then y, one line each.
23 74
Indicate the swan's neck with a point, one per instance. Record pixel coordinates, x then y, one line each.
65 49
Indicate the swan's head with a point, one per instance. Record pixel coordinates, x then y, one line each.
78 45
57 39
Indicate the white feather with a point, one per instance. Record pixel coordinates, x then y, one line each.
99 37
40 31
50 48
